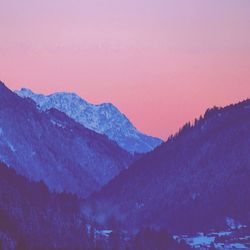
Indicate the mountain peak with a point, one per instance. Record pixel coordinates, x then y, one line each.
71 95
7 96
26 90
2 85
29 137
102 118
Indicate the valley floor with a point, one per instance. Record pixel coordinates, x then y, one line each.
229 239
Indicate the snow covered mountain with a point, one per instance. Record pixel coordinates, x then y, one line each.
104 119
50 146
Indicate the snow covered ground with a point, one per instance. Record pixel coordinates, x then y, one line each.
238 238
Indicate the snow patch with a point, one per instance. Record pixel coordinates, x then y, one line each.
105 232
233 224
200 240
12 148
139 205
57 124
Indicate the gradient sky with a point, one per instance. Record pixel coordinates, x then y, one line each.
161 62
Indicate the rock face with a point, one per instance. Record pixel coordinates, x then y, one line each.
193 182
50 146
104 119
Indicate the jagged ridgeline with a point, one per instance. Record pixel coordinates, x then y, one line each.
104 118
50 146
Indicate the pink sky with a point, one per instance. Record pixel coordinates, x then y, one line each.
161 62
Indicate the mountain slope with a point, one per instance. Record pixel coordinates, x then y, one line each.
104 119
52 147
33 218
193 182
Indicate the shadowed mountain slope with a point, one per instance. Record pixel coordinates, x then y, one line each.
52 147
194 181
33 218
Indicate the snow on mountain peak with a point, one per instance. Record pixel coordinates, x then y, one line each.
103 118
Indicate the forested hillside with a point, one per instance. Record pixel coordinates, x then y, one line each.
194 181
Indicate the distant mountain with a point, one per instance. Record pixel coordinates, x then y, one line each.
50 146
104 119
198 180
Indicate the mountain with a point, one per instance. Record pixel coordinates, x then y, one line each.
104 119
196 181
50 146
33 218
